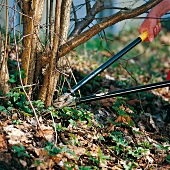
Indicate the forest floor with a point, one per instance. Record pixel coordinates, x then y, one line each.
127 132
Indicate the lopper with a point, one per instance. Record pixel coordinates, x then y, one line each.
67 99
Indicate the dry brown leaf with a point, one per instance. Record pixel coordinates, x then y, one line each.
126 109
57 158
110 128
24 163
104 102
41 152
124 119
164 167
3 143
14 116
48 132
77 150
44 165
133 102
107 54
16 136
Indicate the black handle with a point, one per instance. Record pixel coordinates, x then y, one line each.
106 64
123 92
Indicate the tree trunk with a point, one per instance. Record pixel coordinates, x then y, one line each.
49 84
33 9
4 74
65 20
27 33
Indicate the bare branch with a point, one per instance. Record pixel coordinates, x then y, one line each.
88 6
121 15
79 27
46 36
50 21
65 20
74 13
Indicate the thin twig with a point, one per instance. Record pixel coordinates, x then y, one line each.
74 13
25 86
47 32
56 135
50 22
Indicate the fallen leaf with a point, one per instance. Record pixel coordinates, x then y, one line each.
124 119
16 136
3 143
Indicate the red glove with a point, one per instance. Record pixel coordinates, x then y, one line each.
168 77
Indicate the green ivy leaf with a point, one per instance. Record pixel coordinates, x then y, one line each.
16 96
12 79
2 108
168 158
